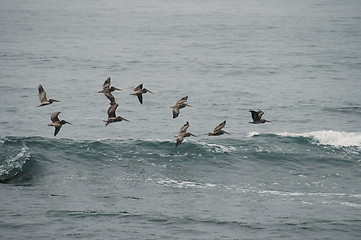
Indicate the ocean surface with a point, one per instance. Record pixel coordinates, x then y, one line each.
296 177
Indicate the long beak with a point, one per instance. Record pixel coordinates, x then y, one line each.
118 89
56 100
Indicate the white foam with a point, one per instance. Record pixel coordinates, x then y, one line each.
324 137
15 162
184 184
217 147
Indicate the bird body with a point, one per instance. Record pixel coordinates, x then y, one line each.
42 97
56 122
138 91
257 117
218 130
111 115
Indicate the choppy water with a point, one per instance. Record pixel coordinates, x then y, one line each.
294 178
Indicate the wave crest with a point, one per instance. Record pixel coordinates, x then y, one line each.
324 137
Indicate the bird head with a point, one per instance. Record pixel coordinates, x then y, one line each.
114 88
146 90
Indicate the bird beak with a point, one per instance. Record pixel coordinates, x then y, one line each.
151 92
56 100
118 89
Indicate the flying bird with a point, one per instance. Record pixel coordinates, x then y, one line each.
179 105
112 117
107 88
56 122
218 130
183 133
138 91
42 97
107 91
257 117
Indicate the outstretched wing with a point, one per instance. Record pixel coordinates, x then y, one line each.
106 84
175 111
180 139
220 126
54 117
184 128
111 110
57 129
139 87
140 98
42 94
182 100
254 115
110 96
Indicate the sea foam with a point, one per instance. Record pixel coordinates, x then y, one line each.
324 137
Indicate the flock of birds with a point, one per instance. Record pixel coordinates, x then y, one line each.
139 91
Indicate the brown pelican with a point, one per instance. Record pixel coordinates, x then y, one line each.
183 133
107 88
56 122
111 115
218 130
256 116
42 97
179 105
107 91
138 91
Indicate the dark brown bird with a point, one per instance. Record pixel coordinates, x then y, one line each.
218 130
112 117
257 117
183 133
42 97
138 91
56 122
107 89
179 105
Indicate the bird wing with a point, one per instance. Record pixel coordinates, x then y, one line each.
110 96
107 83
42 94
57 129
175 111
254 115
140 98
111 110
260 113
184 128
220 126
180 139
54 117
139 87
182 100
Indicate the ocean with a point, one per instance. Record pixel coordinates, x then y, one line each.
296 177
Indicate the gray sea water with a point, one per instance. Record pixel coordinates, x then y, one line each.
296 177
